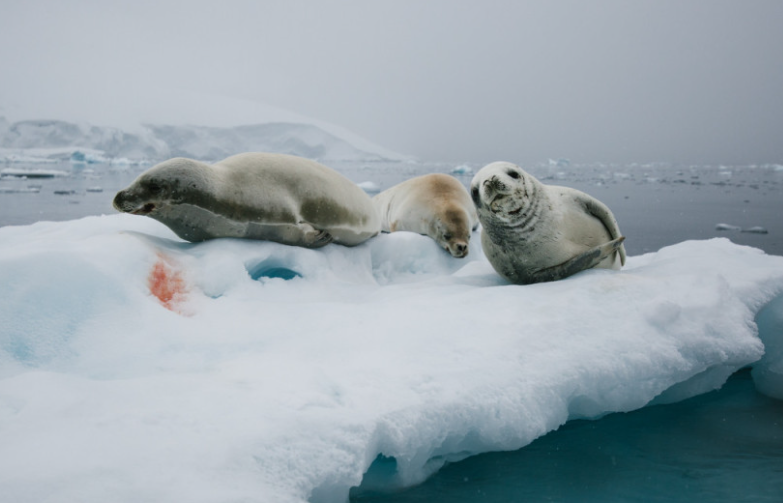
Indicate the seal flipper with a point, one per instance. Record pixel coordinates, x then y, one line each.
321 238
602 212
586 260
310 237
301 234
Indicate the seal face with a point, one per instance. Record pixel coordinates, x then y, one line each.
436 205
274 197
534 232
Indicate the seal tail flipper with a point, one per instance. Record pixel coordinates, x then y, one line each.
586 260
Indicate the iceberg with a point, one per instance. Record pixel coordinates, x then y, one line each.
53 141
138 367
168 122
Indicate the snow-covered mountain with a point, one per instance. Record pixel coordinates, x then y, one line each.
151 124
42 140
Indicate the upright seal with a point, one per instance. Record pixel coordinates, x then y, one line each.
274 197
534 232
436 205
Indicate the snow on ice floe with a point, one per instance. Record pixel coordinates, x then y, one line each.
137 367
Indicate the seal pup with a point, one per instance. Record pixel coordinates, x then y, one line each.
534 232
436 205
274 197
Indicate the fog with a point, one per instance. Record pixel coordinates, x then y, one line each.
679 81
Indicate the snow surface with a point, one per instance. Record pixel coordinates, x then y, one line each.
136 367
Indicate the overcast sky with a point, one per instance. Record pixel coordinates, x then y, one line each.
684 81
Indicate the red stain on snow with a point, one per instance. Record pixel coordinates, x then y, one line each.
167 284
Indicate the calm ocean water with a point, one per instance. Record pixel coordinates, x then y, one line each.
723 446
655 205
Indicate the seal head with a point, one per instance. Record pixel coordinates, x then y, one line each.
161 187
436 205
507 193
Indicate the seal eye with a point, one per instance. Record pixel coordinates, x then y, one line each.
447 237
154 188
474 193
513 174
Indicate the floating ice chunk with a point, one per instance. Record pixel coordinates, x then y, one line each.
462 169
32 173
756 230
369 187
17 190
750 230
78 157
134 363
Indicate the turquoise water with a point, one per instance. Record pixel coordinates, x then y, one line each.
724 446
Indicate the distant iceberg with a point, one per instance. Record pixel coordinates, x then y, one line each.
42 141
32 173
462 169
137 367
757 229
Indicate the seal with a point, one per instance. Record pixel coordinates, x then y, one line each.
274 197
436 205
532 232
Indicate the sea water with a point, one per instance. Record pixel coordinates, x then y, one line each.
723 446
656 205
726 446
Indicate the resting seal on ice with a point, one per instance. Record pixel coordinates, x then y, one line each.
435 205
274 197
534 232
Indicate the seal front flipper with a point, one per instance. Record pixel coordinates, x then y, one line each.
586 260
602 212
316 238
301 234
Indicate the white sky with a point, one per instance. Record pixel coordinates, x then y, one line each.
666 80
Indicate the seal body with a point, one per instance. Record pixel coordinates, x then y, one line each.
274 197
436 205
532 232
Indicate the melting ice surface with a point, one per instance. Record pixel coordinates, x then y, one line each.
135 367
